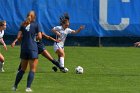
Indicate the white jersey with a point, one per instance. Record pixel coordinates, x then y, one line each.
63 33
1 34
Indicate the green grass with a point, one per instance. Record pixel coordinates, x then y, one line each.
106 70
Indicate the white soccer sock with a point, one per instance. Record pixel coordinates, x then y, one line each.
1 66
62 61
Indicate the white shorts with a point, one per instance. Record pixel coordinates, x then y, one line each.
56 46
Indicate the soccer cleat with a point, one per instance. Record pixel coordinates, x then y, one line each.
54 69
14 88
28 90
2 70
64 70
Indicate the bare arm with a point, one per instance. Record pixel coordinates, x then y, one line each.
4 45
78 30
39 36
2 42
137 44
49 37
19 36
56 32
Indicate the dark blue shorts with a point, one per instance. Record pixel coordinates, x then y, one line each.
28 54
41 47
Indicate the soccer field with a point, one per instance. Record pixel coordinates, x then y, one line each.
106 70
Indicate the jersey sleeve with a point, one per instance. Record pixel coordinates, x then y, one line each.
2 34
69 30
21 28
57 28
38 28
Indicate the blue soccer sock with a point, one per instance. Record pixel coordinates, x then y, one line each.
19 77
57 64
30 79
19 67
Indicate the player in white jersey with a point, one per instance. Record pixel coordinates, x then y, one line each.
2 28
61 34
137 44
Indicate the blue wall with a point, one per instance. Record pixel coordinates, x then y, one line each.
104 18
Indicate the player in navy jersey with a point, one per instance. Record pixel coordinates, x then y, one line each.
2 28
61 33
29 50
42 50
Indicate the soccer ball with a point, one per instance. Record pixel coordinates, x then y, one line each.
79 70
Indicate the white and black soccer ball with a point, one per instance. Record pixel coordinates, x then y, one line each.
79 70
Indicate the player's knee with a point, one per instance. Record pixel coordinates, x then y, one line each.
2 59
33 70
62 55
33 67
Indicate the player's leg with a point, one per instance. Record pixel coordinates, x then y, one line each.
33 65
137 44
33 61
24 63
21 72
47 55
1 63
19 67
61 54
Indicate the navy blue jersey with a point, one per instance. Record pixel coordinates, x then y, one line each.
29 36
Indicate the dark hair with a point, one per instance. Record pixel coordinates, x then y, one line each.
2 22
64 18
64 21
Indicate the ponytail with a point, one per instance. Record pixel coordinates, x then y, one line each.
27 21
30 18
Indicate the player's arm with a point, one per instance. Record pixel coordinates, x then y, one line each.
56 32
3 43
39 36
19 36
49 37
137 44
78 30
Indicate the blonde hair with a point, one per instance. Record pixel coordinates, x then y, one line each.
30 17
